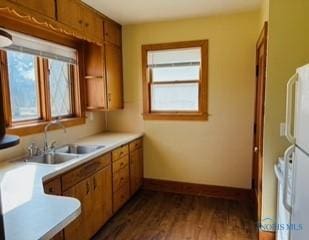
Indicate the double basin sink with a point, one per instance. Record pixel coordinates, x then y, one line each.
65 154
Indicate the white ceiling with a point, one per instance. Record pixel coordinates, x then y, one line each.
139 11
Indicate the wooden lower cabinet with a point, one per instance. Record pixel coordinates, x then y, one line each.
136 169
102 185
95 195
79 229
121 196
101 198
121 179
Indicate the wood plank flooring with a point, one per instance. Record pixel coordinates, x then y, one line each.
157 216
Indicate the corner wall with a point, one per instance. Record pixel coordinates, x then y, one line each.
216 152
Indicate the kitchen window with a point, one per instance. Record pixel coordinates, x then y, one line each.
40 83
175 80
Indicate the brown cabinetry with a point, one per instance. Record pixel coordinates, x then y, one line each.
101 198
80 227
103 70
112 33
102 185
81 18
95 77
94 191
69 12
113 58
46 7
70 17
136 165
121 173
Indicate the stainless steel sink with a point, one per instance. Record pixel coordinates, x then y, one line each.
53 158
79 149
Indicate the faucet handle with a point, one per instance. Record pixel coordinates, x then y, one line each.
33 150
52 146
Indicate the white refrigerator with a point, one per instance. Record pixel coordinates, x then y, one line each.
297 132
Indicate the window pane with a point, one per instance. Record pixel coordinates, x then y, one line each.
181 55
60 88
175 97
176 73
23 86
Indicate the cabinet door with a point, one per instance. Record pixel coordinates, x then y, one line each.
101 198
93 25
136 170
46 7
70 13
80 228
112 33
113 58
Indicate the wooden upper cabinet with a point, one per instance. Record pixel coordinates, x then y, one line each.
113 58
93 24
95 77
69 12
76 15
103 70
46 7
112 33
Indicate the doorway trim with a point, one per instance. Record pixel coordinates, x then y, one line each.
259 99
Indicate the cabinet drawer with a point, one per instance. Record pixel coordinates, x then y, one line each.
136 144
120 152
120 178
120 163
53 187
121 196
76 175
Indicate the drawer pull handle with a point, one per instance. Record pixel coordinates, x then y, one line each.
94 183
88 188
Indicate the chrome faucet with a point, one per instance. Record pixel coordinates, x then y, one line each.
47 148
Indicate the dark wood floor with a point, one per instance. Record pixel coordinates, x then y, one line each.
157 216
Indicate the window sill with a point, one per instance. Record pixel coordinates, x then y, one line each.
38 127
176 116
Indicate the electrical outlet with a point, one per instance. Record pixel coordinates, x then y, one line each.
89 115
282 129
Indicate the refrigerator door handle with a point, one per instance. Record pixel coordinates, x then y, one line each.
289 109
290 150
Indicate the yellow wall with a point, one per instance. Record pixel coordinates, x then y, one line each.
216 152
288 49
264 12
94 124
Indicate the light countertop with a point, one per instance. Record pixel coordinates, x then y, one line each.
29 213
